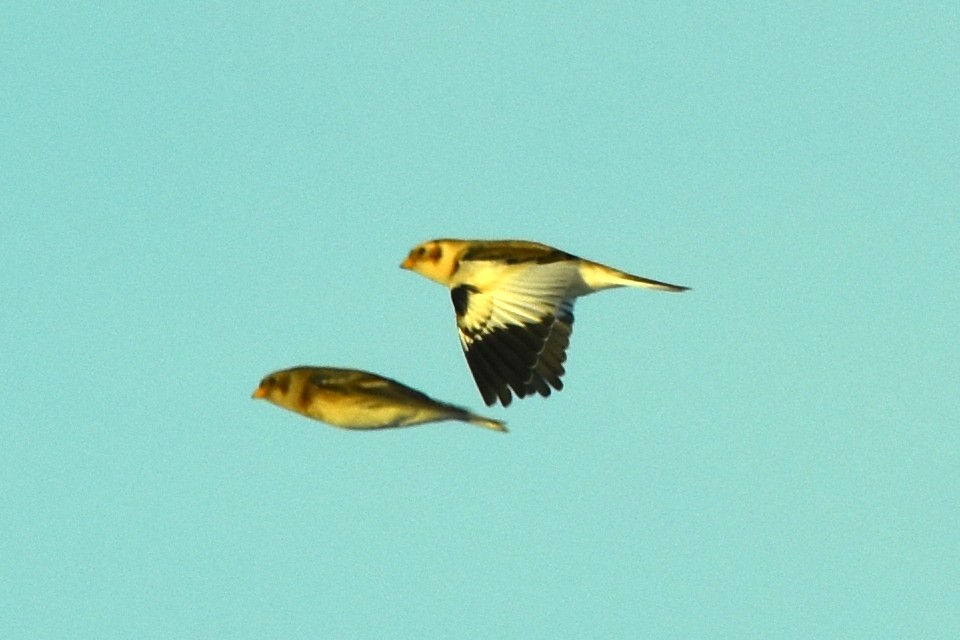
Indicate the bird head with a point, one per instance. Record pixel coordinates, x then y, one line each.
274 387
435 259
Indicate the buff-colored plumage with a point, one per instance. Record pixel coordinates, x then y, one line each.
514 305
354 399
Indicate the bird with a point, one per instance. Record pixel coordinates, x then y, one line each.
355 399
514 301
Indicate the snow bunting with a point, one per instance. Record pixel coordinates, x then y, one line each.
514 304
358 400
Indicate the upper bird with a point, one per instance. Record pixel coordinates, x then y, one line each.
355 399
514 305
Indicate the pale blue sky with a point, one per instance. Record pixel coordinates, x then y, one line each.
195 195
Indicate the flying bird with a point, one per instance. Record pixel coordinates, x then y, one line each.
355 399
514 305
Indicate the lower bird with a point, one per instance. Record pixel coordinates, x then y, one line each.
355 399
514 305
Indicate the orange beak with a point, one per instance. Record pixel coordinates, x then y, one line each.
259 393
407 264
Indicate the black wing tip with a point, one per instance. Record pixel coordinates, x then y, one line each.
505 365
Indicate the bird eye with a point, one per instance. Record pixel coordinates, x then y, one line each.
421 251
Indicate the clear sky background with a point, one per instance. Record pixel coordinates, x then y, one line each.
194 196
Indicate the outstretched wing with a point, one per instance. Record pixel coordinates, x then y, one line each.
515 327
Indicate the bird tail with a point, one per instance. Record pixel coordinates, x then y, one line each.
596 277
631 280
489 423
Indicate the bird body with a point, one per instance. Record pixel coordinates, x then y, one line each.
452 262
354 399
514 305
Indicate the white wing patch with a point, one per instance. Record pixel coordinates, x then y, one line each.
513 295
